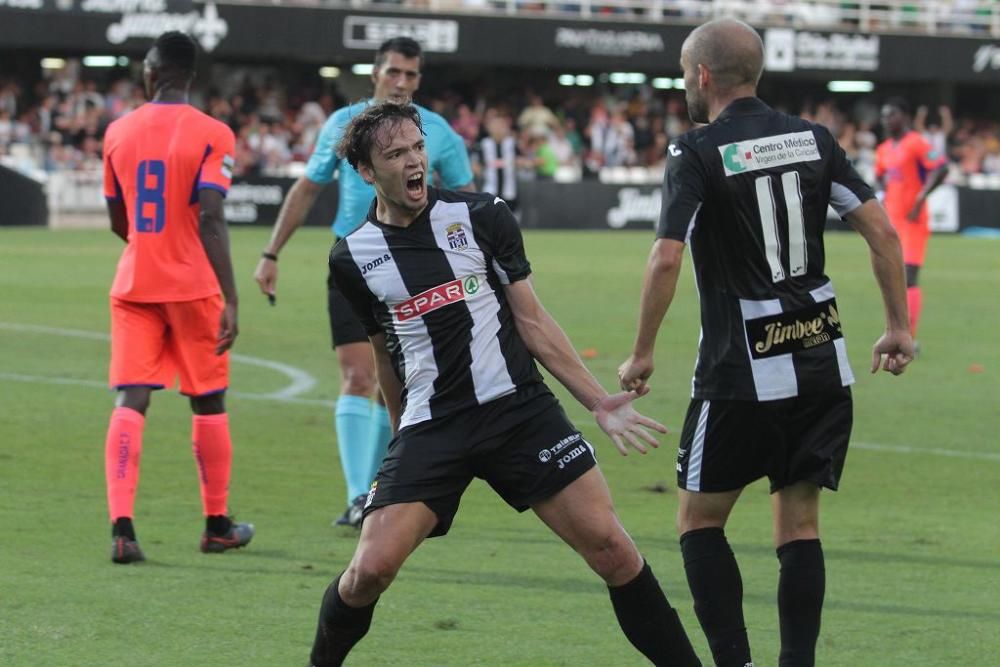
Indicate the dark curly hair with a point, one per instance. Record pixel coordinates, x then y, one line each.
177 52
363 133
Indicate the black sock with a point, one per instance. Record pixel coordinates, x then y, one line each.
800 601
218 524
340 628
717 589
122 527
650 623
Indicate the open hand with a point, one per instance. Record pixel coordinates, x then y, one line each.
616 417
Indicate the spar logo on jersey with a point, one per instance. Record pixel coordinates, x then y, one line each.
775 151
436 297
456 237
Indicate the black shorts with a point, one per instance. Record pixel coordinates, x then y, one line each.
726 445
523 445
345 327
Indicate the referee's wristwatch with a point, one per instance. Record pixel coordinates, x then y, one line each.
269 255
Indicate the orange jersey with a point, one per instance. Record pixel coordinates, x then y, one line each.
905 165
156 159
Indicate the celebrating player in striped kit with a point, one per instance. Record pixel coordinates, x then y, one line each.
439 281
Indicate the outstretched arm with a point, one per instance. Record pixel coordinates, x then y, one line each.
658 290
549 344
893 351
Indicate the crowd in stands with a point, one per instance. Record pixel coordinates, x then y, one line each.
939 16
58 125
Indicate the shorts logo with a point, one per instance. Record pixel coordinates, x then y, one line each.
546 454
371 494
456 237
431 300
572 454
767 152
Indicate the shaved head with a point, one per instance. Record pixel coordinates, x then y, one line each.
731 51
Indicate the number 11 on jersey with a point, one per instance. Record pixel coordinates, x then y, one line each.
767 206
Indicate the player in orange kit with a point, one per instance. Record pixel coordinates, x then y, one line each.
167 167
909 168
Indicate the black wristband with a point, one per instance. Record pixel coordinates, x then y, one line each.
269 255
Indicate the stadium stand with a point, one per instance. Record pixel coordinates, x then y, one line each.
602 122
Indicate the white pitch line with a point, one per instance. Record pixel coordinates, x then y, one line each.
300 381
77 382
936 451
870 446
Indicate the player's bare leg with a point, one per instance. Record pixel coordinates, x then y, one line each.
583 515
713 574
388 536
802 582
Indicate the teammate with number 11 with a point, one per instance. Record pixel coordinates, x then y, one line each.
166 169
748 192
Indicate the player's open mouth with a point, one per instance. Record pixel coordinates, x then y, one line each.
415 184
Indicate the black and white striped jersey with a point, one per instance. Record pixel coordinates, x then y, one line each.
749 193
435 288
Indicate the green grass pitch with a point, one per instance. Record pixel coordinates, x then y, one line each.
912 539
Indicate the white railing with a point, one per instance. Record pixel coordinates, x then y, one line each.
941 17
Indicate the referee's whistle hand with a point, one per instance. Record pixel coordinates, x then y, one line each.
266 275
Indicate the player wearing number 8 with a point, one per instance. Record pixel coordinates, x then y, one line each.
748 192
167 167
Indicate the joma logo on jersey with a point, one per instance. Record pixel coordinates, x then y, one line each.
378 261
456 237
431 300
775 151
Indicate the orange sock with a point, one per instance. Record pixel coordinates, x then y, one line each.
213 451
914 299
122 450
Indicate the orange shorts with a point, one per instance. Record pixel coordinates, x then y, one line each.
154 343
913 237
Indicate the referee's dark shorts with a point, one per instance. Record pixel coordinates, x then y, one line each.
345 327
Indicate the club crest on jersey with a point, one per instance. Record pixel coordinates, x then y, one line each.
456 237
436 297
765 152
